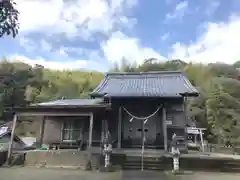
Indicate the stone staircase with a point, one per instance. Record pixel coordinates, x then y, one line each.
160 163
231 166
149 163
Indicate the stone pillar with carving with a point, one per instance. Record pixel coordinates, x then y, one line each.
176 154
107 150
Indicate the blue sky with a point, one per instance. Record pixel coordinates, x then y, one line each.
95 34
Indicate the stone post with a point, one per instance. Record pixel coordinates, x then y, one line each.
175 154
107 151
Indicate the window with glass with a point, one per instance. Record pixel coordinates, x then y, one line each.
72 129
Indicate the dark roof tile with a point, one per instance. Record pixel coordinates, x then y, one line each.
151 84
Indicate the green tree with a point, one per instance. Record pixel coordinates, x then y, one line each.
236 64
8 18
224 70
222 114
16 79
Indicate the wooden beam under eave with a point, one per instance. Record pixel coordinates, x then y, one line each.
119 127
90 131
52 114
10 146
90 141
164 128
186 121
42 128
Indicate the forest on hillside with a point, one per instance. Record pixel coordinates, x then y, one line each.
217 108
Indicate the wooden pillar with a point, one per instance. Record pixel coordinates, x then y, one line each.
42 127
90 132
89 164
102 130
186 120
202 143
119 127
164 128
10 146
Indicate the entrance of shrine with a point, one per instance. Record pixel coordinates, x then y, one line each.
137 130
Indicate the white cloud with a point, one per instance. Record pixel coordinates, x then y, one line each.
219 43
73 18
119 47
68 64
57 65
178 12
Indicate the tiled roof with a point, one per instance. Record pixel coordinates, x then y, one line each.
71 102
150 84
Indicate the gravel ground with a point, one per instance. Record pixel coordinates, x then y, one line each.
25 173
144 175
205 176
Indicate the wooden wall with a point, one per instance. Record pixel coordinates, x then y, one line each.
143 107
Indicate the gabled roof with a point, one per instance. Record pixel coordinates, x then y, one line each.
145 84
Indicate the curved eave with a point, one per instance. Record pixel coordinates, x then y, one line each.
186 94
95 93
194 94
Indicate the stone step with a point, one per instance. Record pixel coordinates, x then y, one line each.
149 158
139 166
230 169
145 164
149 163
145 160
232 163
145 168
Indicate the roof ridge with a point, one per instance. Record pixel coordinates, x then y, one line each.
144 73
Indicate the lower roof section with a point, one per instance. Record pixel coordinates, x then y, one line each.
72 102
64 107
